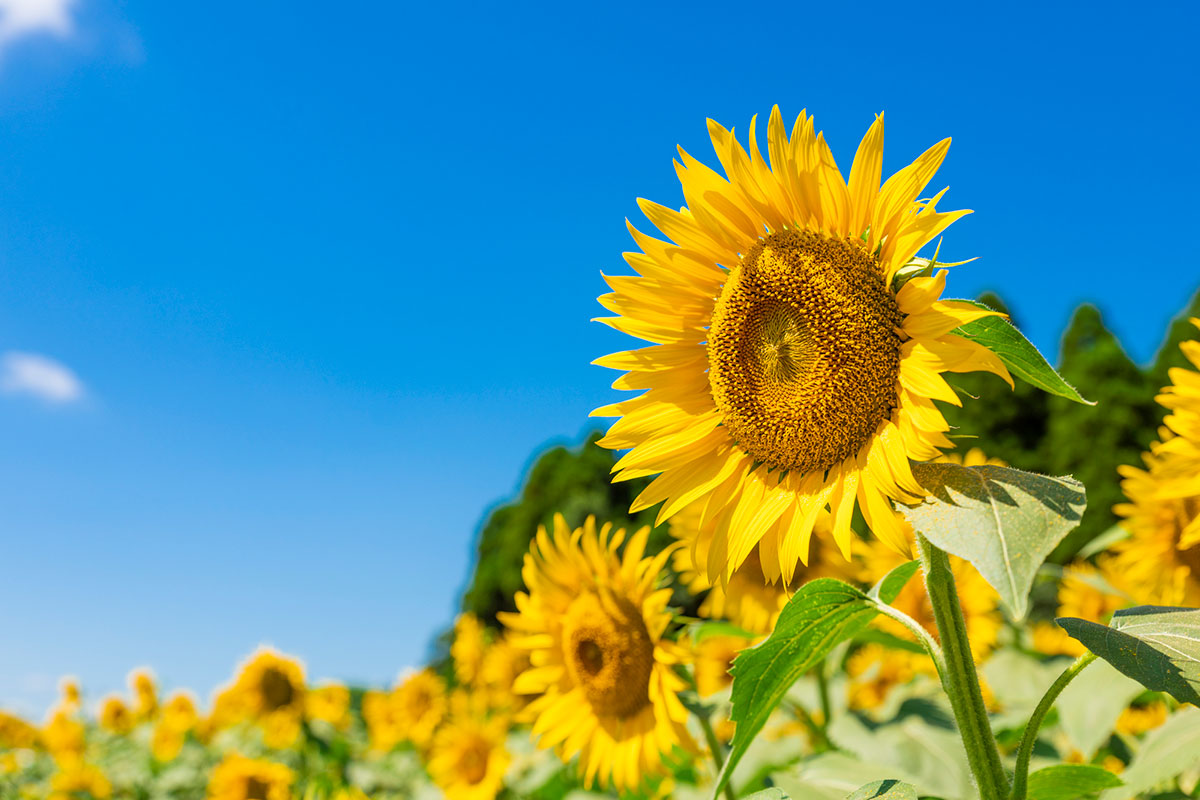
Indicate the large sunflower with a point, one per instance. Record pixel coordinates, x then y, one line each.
788 373
747 598
1161 558
593 623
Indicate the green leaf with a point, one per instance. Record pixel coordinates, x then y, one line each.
1018 354
1157 646
706 630
1105 540
889 640
1168 750
1088 709
769 794
823 613
1069 781
1004 521
890 585
884 790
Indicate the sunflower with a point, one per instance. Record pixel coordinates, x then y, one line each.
974 457
712 658
179 711
241 778
1087 592
80 780
468 648
63 735
409 712
166 742
502 663
467 759
593 623
980 604
1142 717
329 703
145 691
270 683
1161 557
16 733
788 373
747 598
874 670
115 716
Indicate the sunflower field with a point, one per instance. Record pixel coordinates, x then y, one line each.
809 571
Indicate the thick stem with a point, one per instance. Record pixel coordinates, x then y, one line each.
959 678
718 753
1029 739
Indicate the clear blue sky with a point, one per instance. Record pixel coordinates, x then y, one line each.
324 272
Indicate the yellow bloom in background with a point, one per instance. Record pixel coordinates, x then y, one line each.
468 648
63 735
115 716
16 733
1087 592
980 604
874 670
421 705
747 598
1138 719
974 457
467 758
280 729
502 663
241 778
71 696
80 780
179 711
166 742
230 705
593 623
382 718
145 692
329 703
271 682
788 374
712 659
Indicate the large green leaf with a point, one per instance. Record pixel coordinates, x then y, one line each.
1088 709
1002 520
1069 782
824 612
1018 354
1168 750
889 789
1157 646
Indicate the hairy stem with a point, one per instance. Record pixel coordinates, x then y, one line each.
959 677
1029 739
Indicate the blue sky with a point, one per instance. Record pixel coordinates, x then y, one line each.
289 292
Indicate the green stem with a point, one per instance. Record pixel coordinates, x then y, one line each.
1029 739
959 678
718 753
820 739
823 693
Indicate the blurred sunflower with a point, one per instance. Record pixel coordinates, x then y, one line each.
1142 717
467 758
145 692
502 663
63 735
788 373
115 716
1087 592
418 705
747 598
974 457
712 658
241 778
1161 557
329 703
593 622
272 683
16 733
468 648
874 670
166 742
80 780
179 710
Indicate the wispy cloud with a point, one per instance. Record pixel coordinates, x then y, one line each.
42 377
24 17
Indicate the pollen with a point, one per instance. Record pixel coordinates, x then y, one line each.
804 350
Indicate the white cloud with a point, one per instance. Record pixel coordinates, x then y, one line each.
22 17
45 378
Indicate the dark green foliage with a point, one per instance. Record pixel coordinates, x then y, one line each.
574 482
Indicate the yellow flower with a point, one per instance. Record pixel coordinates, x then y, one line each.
1180 445
271 682
179 711
63 735
16 733
1087 592
979 601
972 458
241 778
593 623
1138 719
788 374
747 598
167 741
468 648
712 658
145 692
329 703
80 780
115 716
874 670
502 663
409 712
467 758
280 728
